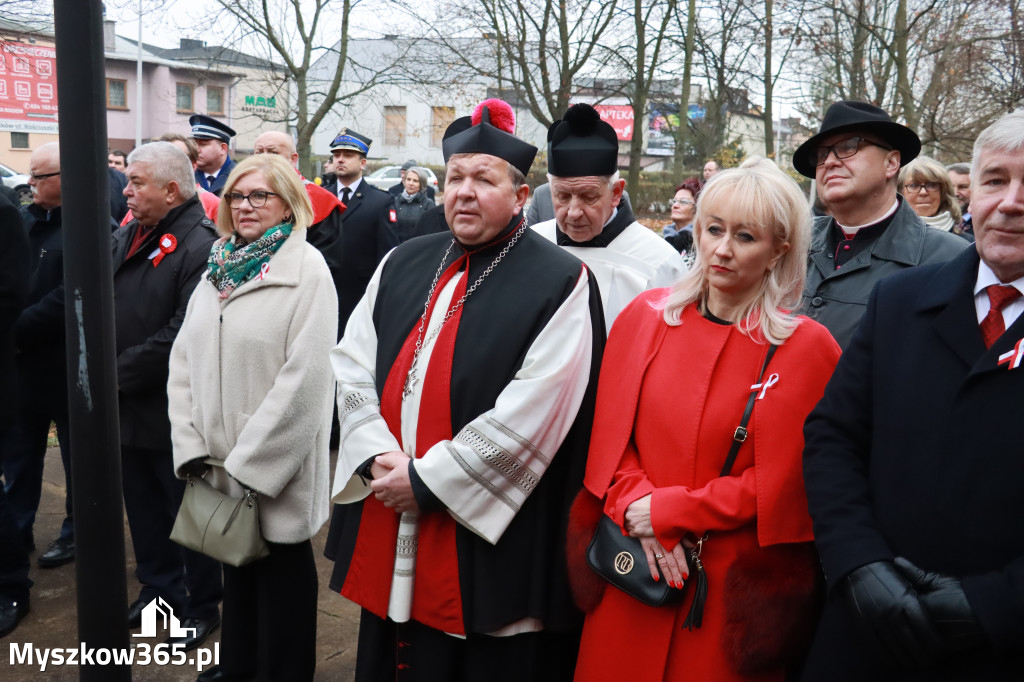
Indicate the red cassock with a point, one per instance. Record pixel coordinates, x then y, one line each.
669 400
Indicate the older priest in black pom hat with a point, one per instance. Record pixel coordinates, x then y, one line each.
466 385
854 160
590 221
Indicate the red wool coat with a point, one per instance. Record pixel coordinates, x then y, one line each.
669 400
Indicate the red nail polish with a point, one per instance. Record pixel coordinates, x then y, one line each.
656 578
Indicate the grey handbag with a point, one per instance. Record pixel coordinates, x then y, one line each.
218 525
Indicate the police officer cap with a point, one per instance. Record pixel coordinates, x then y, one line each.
207 128
489 131
350 139
581 144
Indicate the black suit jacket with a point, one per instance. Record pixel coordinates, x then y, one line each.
14 275
915 450
367 234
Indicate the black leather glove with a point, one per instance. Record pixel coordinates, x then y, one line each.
946 604
889 606
196 467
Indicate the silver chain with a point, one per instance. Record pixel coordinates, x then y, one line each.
411 378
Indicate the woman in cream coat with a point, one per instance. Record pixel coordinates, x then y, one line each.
250 385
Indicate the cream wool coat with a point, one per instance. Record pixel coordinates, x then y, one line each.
250 384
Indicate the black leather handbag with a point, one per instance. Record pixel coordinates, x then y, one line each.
620 560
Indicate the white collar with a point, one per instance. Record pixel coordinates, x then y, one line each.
852 229
987 278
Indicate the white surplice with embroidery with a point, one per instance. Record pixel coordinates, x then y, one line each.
487 471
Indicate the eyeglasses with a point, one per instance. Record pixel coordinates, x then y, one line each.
917 187
844 149
683 202
37 178
257 199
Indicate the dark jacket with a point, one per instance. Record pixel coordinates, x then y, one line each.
838 298
149 306
367 234
14 278
409 213
218 182
915 451
39 331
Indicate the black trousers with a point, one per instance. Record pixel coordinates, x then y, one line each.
412 652
38 401
269 626
14 580
190 582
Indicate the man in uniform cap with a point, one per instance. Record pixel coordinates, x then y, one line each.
466 381
854 160
214 164
368 227
590 222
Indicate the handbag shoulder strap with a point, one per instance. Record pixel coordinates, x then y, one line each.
740 435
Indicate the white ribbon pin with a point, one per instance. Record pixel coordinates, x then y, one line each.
772 380
264 269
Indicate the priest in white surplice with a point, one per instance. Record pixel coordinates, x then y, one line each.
590 221
466 379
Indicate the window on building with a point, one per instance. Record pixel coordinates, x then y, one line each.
117 94
19 141
185 99
214 100
394 126
441 118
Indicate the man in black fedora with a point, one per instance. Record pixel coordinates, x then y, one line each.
854 160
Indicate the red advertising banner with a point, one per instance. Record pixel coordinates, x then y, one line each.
619 117
28 88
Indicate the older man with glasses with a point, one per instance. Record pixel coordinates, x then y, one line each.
855 160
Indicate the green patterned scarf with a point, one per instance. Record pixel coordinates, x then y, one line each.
229 267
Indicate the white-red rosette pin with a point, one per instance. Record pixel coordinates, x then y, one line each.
167 244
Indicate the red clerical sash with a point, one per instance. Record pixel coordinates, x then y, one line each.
437 599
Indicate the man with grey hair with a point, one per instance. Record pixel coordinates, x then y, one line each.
158 259
960 175
893 482
591 223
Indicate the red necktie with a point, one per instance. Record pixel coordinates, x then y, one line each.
992 326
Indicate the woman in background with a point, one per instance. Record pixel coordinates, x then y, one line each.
926 186
412 203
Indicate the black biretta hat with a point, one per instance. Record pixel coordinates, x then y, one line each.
464 136
581 144
852 116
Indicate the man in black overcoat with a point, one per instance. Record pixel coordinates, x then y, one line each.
158 259
914 462
14 274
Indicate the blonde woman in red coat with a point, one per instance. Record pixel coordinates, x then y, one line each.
677 374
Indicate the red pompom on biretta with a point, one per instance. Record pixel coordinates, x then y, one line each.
501 114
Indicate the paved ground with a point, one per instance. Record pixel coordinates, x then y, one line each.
52 621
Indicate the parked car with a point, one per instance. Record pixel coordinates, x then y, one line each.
18 182
388 176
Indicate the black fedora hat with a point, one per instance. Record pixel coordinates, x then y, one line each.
853 116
